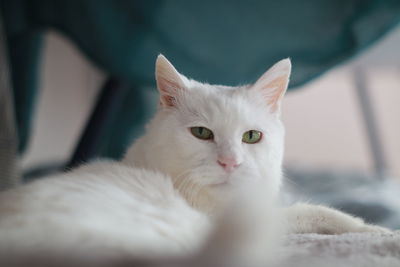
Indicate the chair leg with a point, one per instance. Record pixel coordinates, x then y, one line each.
370 122
108 102
9 175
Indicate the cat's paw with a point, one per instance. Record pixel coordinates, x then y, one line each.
305 218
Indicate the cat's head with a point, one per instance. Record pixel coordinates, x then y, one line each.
213 137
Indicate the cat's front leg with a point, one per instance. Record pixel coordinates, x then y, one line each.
306 218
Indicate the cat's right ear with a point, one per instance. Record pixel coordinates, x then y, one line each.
169 82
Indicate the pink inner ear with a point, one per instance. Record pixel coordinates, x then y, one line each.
278 87
273 83
169 82
167 91
167 100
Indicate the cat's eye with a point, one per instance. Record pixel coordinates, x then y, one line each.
202 133
252 137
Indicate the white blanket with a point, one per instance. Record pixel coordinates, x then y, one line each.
352 249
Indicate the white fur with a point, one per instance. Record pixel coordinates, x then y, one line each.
193 162
169 146
157 201
103 207
306 218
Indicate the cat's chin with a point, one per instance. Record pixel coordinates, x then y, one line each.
205 198
208 192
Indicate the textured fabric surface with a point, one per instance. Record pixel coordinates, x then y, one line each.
353 249
215 41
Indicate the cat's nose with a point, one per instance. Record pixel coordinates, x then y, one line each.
229 164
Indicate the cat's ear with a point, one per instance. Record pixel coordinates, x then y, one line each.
273 83
169 82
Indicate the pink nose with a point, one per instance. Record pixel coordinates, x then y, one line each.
229 164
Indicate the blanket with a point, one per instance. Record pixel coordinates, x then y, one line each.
352 249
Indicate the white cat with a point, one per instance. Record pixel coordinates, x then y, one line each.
205 144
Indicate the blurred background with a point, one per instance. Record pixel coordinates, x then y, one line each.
323 119
81 77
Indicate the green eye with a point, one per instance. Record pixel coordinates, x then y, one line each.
252 137
202 133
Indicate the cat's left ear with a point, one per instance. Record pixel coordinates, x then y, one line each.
169 82
273 84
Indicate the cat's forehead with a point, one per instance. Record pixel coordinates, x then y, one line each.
224 106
